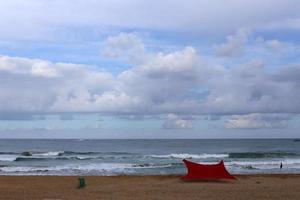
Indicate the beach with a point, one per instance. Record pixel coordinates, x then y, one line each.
146 169
284 186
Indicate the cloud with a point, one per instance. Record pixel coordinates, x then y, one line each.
180 82
165 81
34 67
250 88
125 46
175 122
257 121
234 45
272 45
43 69
26 89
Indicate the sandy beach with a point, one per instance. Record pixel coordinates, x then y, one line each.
149 187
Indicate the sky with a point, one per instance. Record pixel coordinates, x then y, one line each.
149 69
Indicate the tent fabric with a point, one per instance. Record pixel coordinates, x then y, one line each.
206 172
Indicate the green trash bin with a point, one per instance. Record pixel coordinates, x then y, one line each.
82 183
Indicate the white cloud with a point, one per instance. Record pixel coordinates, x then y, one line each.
175 122
32 85
162 82
272 45
175 82
234 45
125 46
257 121
43 69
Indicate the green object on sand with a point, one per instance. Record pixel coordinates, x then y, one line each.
81 182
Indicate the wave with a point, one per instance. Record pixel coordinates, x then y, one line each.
50 153
36 158
290 161
96 168
150 165
22 169
228 155
183 156
61 155
254 166
73 155
8 157
64 168
80 153
96 153
261 155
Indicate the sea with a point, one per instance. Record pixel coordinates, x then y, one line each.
145 157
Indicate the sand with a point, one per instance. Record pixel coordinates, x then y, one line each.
149 187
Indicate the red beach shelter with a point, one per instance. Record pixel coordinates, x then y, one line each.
206 172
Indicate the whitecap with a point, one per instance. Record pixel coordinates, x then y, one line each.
8 158
50 153
196 156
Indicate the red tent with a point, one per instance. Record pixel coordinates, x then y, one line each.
208 172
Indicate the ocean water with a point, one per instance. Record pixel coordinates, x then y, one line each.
145 157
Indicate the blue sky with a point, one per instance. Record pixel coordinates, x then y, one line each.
149 69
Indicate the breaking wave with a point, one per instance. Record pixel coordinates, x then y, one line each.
260 155
59 155
50 153
31 158
70 169
7 157
183 156
55 162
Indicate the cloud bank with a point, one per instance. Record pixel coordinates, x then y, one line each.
180 82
